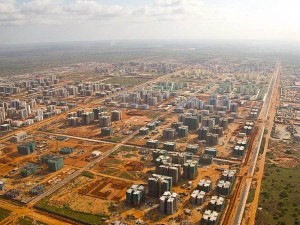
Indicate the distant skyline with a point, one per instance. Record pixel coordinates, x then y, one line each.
35 21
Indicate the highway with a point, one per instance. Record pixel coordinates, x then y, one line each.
59 185
31 212
89 139
47 121
235 216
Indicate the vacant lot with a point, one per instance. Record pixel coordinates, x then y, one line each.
4 213
128 81
28 221
69 213
125 163
280 196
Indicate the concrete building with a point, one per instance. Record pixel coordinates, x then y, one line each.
2 185
106 131
216 203
135 195
162 160
157 153
192 148
26 148
66 150
228 175
202 133
116 115
28 169
190 169
87 118
151 126
144 131
20 136
152 143
170 146
158 184
178 157
183 131
204 185
191 121
206 159
171 170
104 121
224 187
168 203
211 151
74 121
210 218
197 197
169 133
54 162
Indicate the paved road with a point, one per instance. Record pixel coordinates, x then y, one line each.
90 164
239 212
37 125
230 161
78 172
89 139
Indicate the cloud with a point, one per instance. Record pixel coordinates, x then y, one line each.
56 11
174 10
240 19
60 12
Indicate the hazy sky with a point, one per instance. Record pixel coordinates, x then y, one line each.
23 21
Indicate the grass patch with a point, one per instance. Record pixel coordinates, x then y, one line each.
28 221
129 155
114 161
110 171
88 174
126 149
251 195
128 81
115 139
280 196
4 213
153 115
262 146
69 213
127 176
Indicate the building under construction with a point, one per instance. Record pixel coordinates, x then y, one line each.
192 148
206 159
54 162
26 148
28 169
170 146
152 143
66 150
211 151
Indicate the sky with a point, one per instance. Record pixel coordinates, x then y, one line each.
35 21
